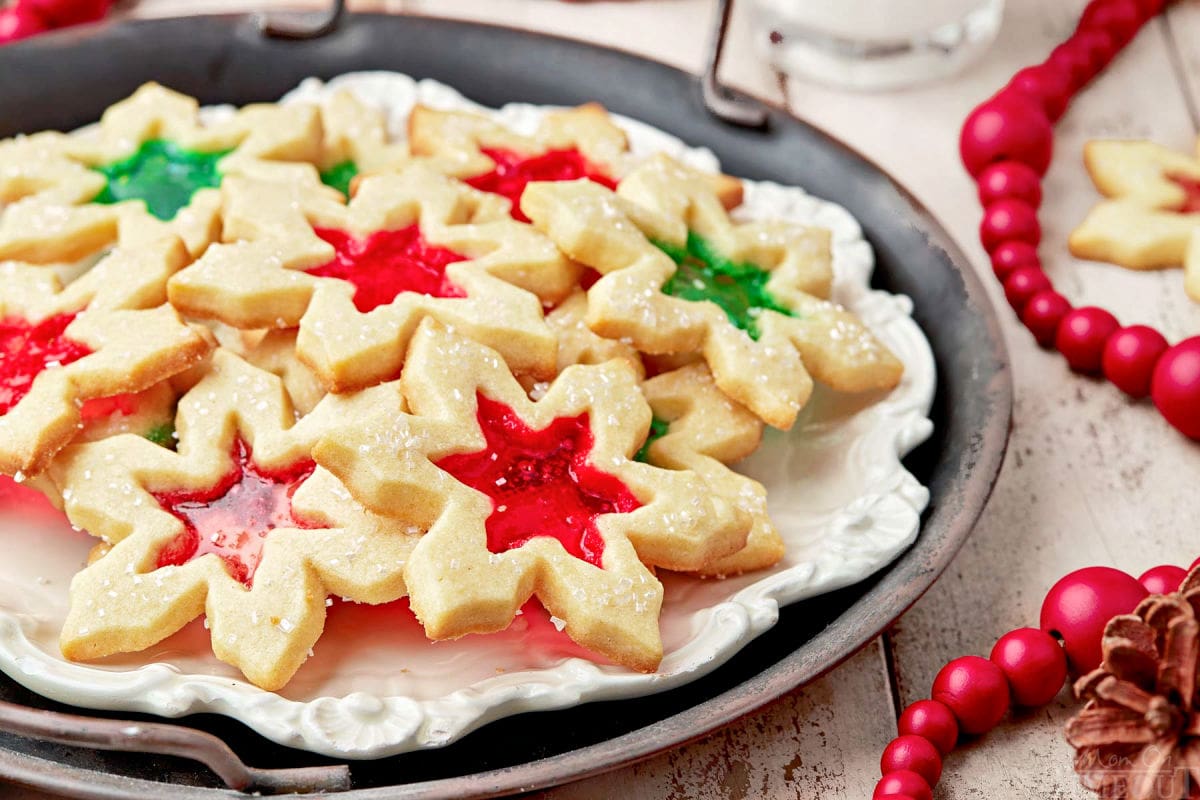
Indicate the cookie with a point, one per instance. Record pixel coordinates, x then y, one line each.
680 277
694 427
355 143
275 352
94 338
582 142
358 278
238 525
1153 212
525 498
149 167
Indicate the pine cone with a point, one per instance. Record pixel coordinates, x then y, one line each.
1138 736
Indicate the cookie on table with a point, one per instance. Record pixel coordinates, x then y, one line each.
1152 216
570 144
70 347
678 277
238 524
358 278
149 167
527 498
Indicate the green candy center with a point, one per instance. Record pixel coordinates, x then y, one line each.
658 429
339 176
162 174
740 289
162 435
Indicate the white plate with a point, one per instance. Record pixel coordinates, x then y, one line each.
836 489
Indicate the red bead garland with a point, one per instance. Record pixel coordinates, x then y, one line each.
1162 579
903 783
915 754
1006 144
25 18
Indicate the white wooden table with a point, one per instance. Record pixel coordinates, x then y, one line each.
1091 478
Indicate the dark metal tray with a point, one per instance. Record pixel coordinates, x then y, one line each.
67 79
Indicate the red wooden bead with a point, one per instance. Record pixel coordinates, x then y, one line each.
1129 358
1176 386
1082 336
1043 313
1034 663
60 13
976 691
932 720
1047 86
1007 127
1077 608
1009 220
1096 47
1010 179
1022 284
1162 579
1011 255
902 784
1121 18
17 24
1072 63
915 754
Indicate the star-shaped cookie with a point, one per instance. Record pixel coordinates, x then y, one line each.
358 278
1152 215
529 498
680 277
101 336
148 167
238 524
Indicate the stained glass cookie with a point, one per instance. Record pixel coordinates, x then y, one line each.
65 349
527 498
238 524
679 277
1151 217
357 278
148 167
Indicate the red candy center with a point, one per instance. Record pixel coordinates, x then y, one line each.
27 348
540 482
514 171
232 518
1191 190
101 407
387 263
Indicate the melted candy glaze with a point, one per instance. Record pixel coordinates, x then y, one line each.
162 174
513 171
27 348
387 263
1191 189
100 407
232 518
540 482
340 175
658 429
704 274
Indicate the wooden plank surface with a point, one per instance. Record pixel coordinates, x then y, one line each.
1091 478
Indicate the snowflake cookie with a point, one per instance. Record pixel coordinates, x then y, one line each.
358 278
238 524
147 168
1152 215
695 426
574 143
680 277
529 498
66 353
